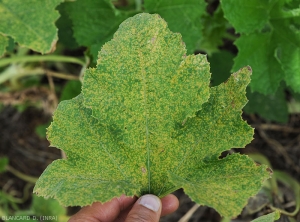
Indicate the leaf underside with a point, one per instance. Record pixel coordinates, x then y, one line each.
148 122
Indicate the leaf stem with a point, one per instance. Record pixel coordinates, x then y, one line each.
189 214
20 175
165 193
15 72
294 185
62 75
41 58
138 5
229 36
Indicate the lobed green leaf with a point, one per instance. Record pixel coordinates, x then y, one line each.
148 122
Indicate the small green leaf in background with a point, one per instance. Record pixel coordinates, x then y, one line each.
3 44
41 130
49 208
70 90
271 217
213 31
65 31
258 51
41 206
3 164
94 22
184 18
270 107
269 41
220 66
148 122
247 17
288 53
31 24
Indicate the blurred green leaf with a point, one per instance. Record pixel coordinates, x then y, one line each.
94 22
213 31
258 51
3 44
65 31
42 129
183 17
270 107
3 163
30 24
268 218
220 66
48 210
71 89
247 16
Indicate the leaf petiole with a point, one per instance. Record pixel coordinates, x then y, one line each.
41 58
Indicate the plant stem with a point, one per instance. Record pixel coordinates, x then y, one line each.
230 36
62 75
41 58
189 214
138 5
20 175
15 72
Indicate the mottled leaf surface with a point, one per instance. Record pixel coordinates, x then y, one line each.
225 184
148 122
32 24
183 17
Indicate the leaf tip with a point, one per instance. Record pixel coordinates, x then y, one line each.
249 68
53 46
269 170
